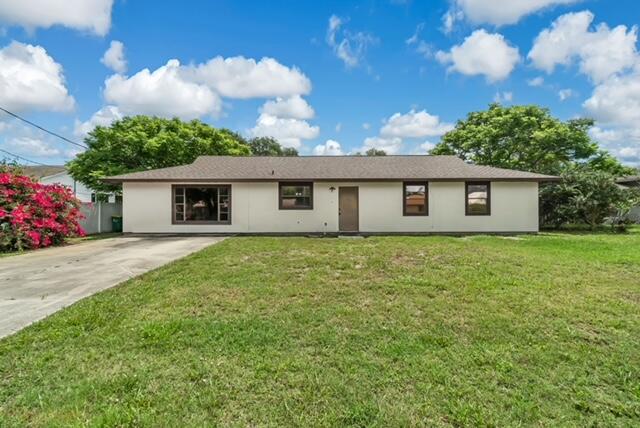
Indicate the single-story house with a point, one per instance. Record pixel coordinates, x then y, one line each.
330 194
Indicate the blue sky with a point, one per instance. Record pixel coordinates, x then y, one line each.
327 77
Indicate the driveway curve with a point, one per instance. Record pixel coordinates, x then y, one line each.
35 285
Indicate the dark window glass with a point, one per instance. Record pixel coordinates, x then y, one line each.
478 198
296 196
415 198
206 204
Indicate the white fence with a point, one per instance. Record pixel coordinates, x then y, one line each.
98 216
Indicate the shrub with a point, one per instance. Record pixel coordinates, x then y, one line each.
586 196
35 215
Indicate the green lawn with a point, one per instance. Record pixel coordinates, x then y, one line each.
386 331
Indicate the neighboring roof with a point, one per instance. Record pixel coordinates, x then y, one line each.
40 171
328 168
631 180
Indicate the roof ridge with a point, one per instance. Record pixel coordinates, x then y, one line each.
327 156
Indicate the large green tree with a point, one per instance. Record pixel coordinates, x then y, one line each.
526 138
267 146
139 143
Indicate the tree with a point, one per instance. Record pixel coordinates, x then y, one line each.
139 143
375 152
585 195
371 152
267 146
525 138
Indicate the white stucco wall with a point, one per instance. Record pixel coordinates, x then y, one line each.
254 209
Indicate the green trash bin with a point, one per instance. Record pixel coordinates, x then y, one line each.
116 224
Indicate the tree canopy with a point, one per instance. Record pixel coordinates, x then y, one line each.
140 142
267 146
375 152
371 152
525 138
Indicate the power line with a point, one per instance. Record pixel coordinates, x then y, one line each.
21 158
43 129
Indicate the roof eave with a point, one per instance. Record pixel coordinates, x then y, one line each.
116 180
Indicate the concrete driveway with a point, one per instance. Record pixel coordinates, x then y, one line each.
37 284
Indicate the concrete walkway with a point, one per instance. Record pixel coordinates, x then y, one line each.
37 284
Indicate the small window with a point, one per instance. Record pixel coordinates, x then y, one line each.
415 200
201 204
296 196
478 198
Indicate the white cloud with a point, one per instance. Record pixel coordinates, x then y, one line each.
390 145
501 12
536 81
421 47
617 100
103 117
349 47
565 94
503 97
482 53
330 148
31 80
114 57
163 92
615 104
239 77
622 142
425 147
32 147
335 22
449 19
415 38
366 126
601 53
195 90
338 126
414 124
294 108
87 15
289 132
629 155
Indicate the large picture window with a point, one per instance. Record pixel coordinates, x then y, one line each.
296 196
415 201
202 204
478 198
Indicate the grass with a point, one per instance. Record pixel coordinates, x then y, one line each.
387 331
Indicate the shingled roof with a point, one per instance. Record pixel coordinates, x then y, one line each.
40 171
328 168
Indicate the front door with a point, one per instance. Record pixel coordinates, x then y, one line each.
348 209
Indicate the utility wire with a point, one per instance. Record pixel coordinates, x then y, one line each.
43 129
20 157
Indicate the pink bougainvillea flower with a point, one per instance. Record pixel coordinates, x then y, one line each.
39 215
35 238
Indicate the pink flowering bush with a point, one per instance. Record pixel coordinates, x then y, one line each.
34 215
